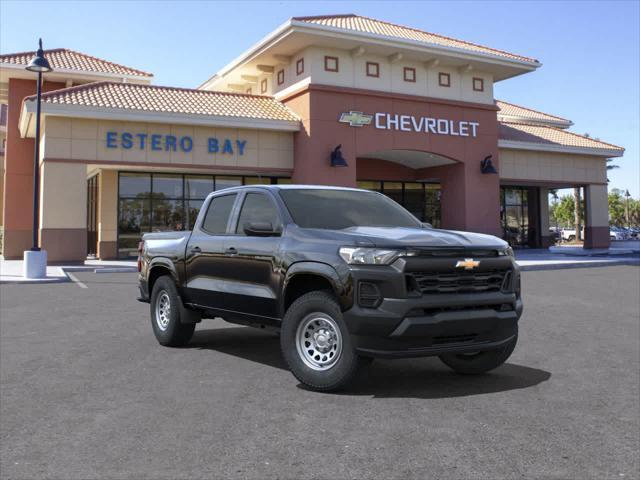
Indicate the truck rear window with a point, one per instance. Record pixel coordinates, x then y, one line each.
217 217
339 209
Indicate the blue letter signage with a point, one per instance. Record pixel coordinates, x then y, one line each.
159 142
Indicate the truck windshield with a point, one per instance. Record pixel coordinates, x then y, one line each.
339 209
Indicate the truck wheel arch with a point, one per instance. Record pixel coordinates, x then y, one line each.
304 277
158 268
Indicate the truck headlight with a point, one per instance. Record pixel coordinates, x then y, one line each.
505 252
368 256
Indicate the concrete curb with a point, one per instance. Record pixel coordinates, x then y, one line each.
115 270
567 266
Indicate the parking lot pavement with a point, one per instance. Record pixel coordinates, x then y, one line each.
88 393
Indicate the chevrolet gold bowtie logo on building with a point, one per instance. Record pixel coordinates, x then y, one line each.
467 264
356 119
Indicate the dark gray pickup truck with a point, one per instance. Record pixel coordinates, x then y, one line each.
344 275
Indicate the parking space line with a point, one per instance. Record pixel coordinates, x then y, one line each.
75 280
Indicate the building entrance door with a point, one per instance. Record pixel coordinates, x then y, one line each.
92 216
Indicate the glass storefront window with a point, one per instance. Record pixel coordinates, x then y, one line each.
421 199
226 182
166 202
167 186
197 187
134 184
514 214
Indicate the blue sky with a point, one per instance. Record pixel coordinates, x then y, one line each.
589 50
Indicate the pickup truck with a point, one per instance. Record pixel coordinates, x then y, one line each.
344 275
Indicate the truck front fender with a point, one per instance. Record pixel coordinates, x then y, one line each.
342 290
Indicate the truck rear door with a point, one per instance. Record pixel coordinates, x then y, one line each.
205 284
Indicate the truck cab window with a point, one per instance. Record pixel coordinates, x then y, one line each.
257 208
217 217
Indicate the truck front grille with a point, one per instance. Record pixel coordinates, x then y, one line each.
461 282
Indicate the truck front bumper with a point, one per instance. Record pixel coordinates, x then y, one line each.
433 325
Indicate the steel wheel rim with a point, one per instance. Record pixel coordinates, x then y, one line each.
319 341
163 311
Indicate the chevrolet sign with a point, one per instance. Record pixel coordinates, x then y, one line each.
355 119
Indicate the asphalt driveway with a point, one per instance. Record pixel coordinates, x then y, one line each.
86 392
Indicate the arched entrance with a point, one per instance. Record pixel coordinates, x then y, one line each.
409 177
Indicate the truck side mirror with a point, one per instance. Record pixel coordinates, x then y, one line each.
260 229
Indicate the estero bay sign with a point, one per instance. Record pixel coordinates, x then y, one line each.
411 123
171 143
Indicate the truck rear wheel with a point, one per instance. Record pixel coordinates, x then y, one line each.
479 362
165 315
316 344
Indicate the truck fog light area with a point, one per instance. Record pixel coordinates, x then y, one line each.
368 295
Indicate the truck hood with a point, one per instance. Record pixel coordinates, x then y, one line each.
408 237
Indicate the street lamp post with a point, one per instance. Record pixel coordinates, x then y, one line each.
35 260
626 208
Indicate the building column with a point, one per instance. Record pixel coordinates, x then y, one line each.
108 214
18 173
469 200
596 216
546 240
63 211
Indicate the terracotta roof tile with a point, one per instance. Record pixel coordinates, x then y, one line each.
517 132
65 59
513 110
153 98
379 27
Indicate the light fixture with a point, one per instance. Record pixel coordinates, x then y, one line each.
486 166
39 62
337 160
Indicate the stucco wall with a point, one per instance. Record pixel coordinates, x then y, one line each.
551 167
85 140
352 73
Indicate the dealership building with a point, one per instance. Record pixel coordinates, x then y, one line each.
332 100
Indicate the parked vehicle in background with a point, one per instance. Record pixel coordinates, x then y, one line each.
569 234
618 234
346 275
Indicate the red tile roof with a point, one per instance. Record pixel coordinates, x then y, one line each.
544 135
152 98
513 110
370 25
65 59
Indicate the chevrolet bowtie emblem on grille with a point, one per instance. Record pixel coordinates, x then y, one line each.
467 264
356 119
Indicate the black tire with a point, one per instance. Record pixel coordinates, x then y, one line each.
319 309
168 329
481 362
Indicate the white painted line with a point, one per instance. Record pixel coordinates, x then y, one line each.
115 270
75 280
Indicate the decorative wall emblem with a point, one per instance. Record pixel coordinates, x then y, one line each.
356 119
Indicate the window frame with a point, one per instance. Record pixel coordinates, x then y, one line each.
280 76
300 66
407 70
480 82
443 75
240 205
328 58
231 214
377 67
264 85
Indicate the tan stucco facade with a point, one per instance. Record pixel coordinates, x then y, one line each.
86 141
539 166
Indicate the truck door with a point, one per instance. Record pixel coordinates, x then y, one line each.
204 266
251 269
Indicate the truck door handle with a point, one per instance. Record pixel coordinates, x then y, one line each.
195 250
231 251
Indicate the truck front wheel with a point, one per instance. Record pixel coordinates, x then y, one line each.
316 344
479 362
165 315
